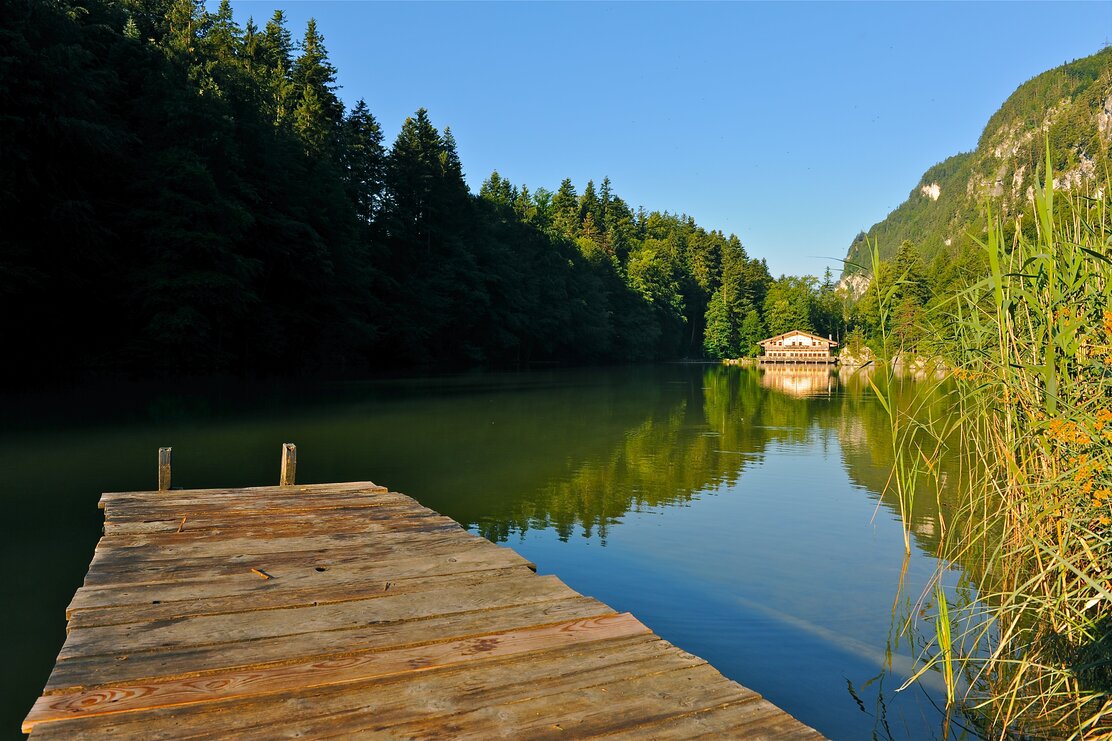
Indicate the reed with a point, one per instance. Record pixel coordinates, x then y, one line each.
1031 352
913 445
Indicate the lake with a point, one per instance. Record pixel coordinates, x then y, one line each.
735 511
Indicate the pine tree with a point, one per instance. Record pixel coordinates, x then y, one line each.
498 190
752 331
730 331
223 38
620 229
589 205
826 310
363 160
604 197
277 45
131 29
276 58
413 168
720 335
523 204
252 49
787 304
755 275
590 231
318 112
185 23
147 19
565 210
450 163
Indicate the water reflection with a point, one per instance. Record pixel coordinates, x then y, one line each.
800 381
737 511
701 438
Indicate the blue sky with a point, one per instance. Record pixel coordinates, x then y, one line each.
792 125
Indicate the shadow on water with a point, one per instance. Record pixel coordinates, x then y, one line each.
737 511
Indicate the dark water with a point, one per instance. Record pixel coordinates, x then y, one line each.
732 510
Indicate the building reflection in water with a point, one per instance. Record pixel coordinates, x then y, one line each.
800 381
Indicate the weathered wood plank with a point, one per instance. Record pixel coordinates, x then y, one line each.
186 546
110 567
779 727
129 698
251 500
272 539
247 583
260 528
253 505
445 699
442 690
225 629
85 672
574 713
369 589
138 506
748 718
369 487
380 516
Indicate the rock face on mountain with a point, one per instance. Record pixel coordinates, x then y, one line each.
1069 106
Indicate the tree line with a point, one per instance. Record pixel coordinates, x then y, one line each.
185 193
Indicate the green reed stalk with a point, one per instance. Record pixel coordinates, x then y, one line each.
945 643
906 453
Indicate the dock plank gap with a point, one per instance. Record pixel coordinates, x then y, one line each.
348 610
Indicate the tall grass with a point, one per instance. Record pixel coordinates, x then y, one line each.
1031 349
909 444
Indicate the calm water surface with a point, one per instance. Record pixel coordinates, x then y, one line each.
734 511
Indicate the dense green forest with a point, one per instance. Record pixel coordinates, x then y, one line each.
184 193
1068 108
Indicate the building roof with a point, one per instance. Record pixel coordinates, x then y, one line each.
778 337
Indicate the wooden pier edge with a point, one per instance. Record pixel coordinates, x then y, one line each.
347 609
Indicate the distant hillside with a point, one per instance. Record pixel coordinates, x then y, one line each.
1071 104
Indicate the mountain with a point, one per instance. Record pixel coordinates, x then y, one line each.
1070 105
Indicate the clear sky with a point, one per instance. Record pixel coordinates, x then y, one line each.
792 125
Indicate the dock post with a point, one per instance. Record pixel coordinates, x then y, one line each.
289 464
164 457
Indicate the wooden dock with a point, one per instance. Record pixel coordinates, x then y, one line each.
347 610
